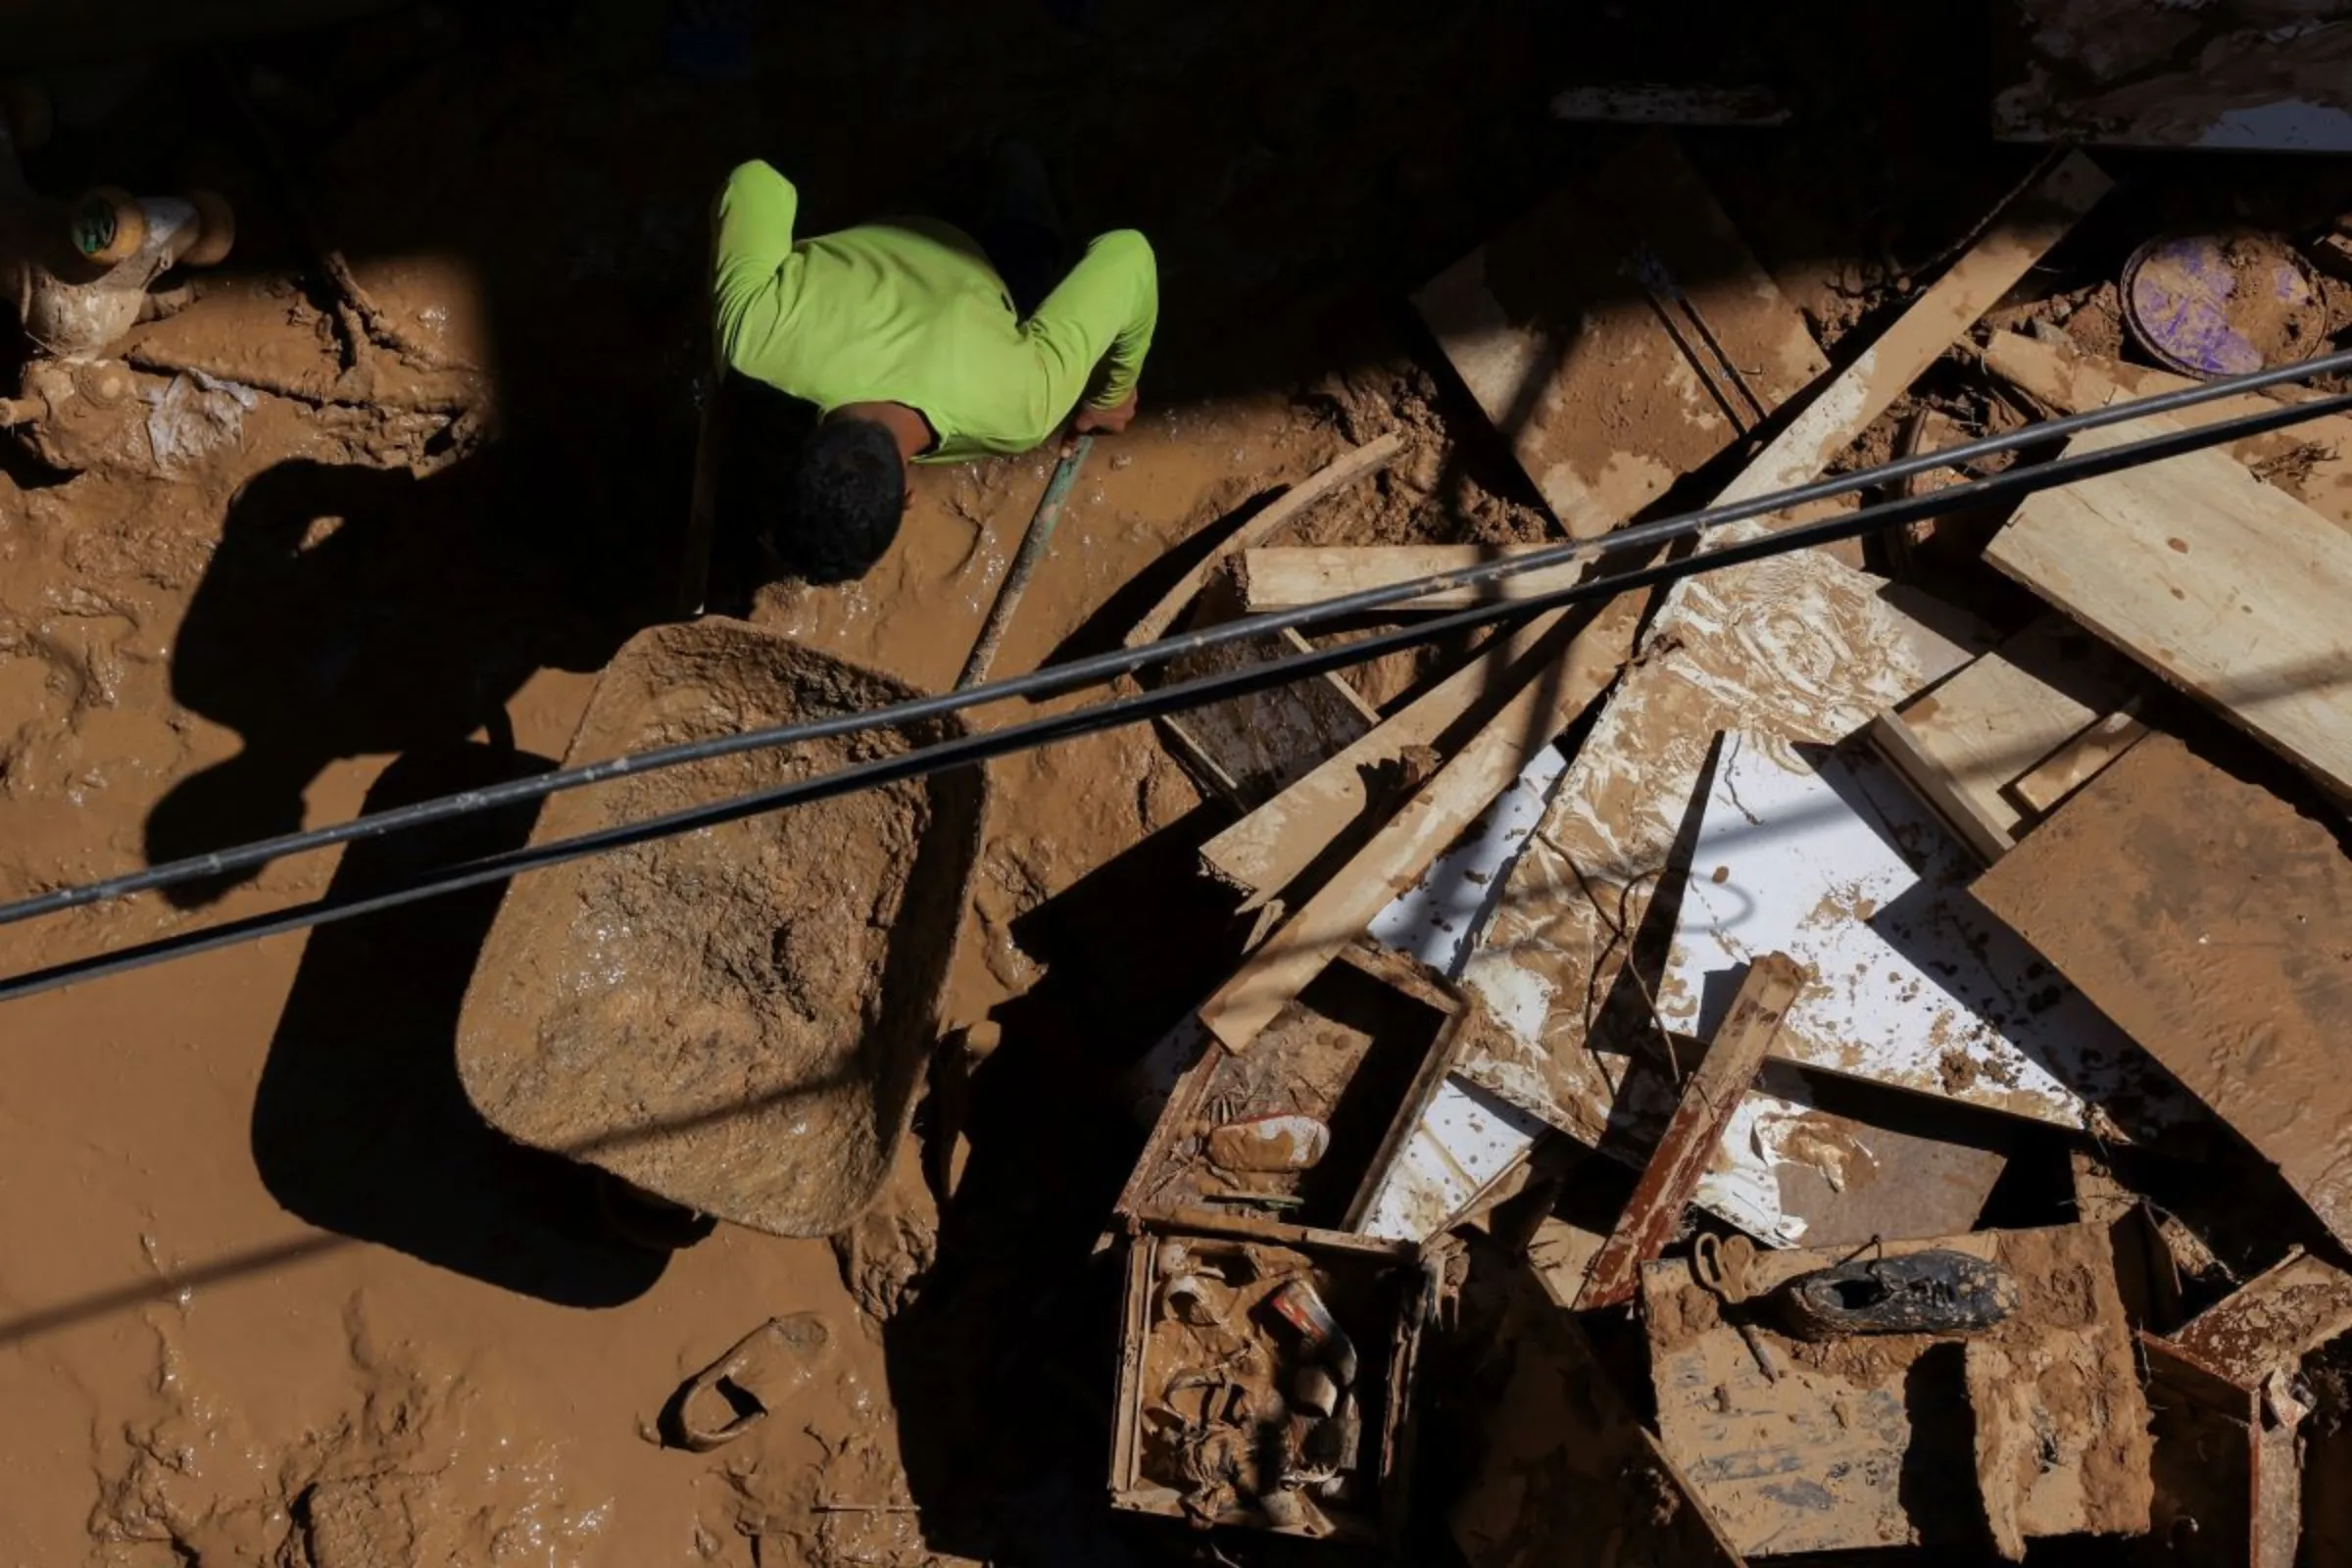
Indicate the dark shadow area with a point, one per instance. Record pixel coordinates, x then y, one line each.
1002 1368
361 1125
353 609
1937 1487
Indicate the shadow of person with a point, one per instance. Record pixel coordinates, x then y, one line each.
361 1125
353 610
1015 1325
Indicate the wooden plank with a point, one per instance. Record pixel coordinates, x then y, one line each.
2076 762
2213 921
1288 577
1279 514
2272 1322
2311 461
1989 837
2224 586
1407 842
1263 852
1628 291
1796 645
1962 742
1654 1212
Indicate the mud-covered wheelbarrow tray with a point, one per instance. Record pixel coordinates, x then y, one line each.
736 1019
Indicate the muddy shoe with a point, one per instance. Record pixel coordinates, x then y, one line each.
1938 1291
735 1393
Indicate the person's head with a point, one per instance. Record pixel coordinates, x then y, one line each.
841 501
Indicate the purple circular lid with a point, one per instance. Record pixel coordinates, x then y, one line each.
2208 304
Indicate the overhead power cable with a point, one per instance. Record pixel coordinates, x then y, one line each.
963 751
1094 669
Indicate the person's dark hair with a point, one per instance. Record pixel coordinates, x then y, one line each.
841 503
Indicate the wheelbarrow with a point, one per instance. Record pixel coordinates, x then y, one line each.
735 1020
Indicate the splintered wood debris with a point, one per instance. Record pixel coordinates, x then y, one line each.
1735 933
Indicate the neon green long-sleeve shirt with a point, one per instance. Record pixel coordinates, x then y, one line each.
910 312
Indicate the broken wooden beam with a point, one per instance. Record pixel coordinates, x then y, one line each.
1338 910
2228 588
1261 854
1654 1213
2213 923
2272 1322
1341 472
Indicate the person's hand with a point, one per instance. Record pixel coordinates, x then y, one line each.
1109 421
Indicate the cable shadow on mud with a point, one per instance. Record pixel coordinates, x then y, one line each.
349 610
361 1124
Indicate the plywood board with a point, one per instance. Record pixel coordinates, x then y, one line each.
2213 923
1628 292
1789 1168
1797 646
2227 587
1871 1442
1830 858
2311 461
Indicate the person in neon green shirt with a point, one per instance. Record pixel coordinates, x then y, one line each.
912 346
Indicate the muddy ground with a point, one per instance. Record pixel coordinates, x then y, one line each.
270 1291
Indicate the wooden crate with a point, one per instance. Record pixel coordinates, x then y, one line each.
1382 1292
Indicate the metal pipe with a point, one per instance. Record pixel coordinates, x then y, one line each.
1017 577
1057 678
965 749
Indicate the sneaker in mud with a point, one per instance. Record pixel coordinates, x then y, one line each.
1935 1291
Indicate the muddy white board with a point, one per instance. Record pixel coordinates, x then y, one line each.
1788 1171
1833 859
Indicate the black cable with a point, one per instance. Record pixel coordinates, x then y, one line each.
965 749
1097 668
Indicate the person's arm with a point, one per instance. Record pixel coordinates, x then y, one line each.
756 212
1103 314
